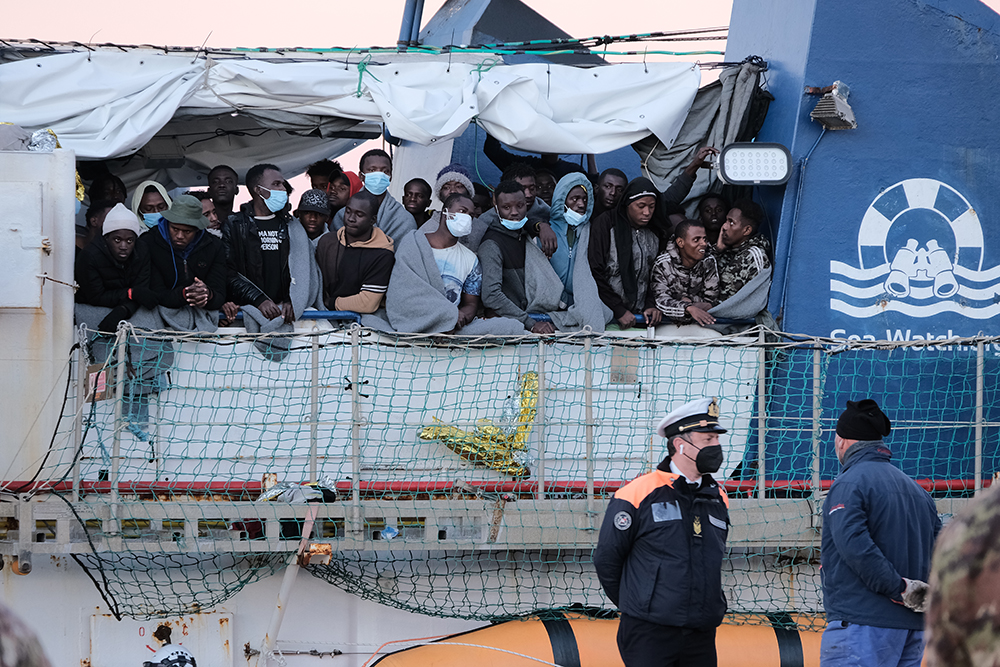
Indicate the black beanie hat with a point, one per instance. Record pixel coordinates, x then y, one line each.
863 420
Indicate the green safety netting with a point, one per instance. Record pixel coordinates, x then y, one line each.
467 477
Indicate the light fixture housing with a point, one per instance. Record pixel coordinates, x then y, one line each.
832 111
755 163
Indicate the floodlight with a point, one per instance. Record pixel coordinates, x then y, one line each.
832 111
755 163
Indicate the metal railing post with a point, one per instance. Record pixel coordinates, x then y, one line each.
761 413
980 370
817 430
588 388
119 397
540 421
81 405
314 410
356 523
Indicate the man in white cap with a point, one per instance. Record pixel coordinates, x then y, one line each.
660 550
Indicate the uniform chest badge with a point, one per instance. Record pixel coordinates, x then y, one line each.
623 521
697 525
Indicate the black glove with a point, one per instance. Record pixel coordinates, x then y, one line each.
110 323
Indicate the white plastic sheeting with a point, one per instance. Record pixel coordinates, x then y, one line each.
105 105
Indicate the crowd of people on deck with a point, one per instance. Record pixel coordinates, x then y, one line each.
549 247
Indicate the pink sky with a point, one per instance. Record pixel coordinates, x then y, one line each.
312 24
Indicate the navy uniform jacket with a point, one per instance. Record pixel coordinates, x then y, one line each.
878 527
659 554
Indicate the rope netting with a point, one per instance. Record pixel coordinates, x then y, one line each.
468 477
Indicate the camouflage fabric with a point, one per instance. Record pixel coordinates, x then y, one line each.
738 266
675 286
963 614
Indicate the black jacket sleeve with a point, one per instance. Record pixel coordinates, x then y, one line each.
241 290
597 254
496 153
141 292
216 278
93 290
613 546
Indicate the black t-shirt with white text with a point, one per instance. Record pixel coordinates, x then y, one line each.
271 253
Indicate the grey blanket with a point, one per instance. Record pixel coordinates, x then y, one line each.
304 292
189 318
392 219
147 358
587 309
750 300
543 288
750 303
416 301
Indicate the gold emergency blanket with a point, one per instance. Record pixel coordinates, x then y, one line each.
490 444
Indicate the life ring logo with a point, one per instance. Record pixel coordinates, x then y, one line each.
920 251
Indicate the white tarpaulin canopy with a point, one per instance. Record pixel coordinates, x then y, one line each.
110 105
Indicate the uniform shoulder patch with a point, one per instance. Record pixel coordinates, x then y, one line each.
623 521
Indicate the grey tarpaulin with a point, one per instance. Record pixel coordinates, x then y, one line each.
718 117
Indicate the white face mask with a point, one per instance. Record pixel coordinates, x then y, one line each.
573 218
459 224
512 225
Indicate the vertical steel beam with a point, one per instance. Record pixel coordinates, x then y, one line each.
980 370
356 523
81 405
540 422
817 431
119 397
761 414
588 388
314 409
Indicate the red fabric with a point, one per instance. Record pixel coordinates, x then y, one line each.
356 182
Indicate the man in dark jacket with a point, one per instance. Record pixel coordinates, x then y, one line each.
879 529
356 260
113 271
257 246
659 553
188 263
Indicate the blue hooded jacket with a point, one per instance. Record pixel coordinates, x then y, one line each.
564 256
878 527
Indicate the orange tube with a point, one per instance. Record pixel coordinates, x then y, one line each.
575 640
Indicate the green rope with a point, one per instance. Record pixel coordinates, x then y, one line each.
362 69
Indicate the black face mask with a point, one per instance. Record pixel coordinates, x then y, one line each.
709 459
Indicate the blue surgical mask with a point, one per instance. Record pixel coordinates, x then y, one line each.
573 218
376 182
276 200
459 224
79 205
151 219
513 225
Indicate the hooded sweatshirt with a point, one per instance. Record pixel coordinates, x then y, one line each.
567 251
621 256
173 270
355 276
137 197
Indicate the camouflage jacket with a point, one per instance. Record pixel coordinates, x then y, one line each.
963 613
738 266
675 286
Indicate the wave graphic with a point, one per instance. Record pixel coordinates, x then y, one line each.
860 312
861 293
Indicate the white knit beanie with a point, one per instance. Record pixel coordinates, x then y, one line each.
120 218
